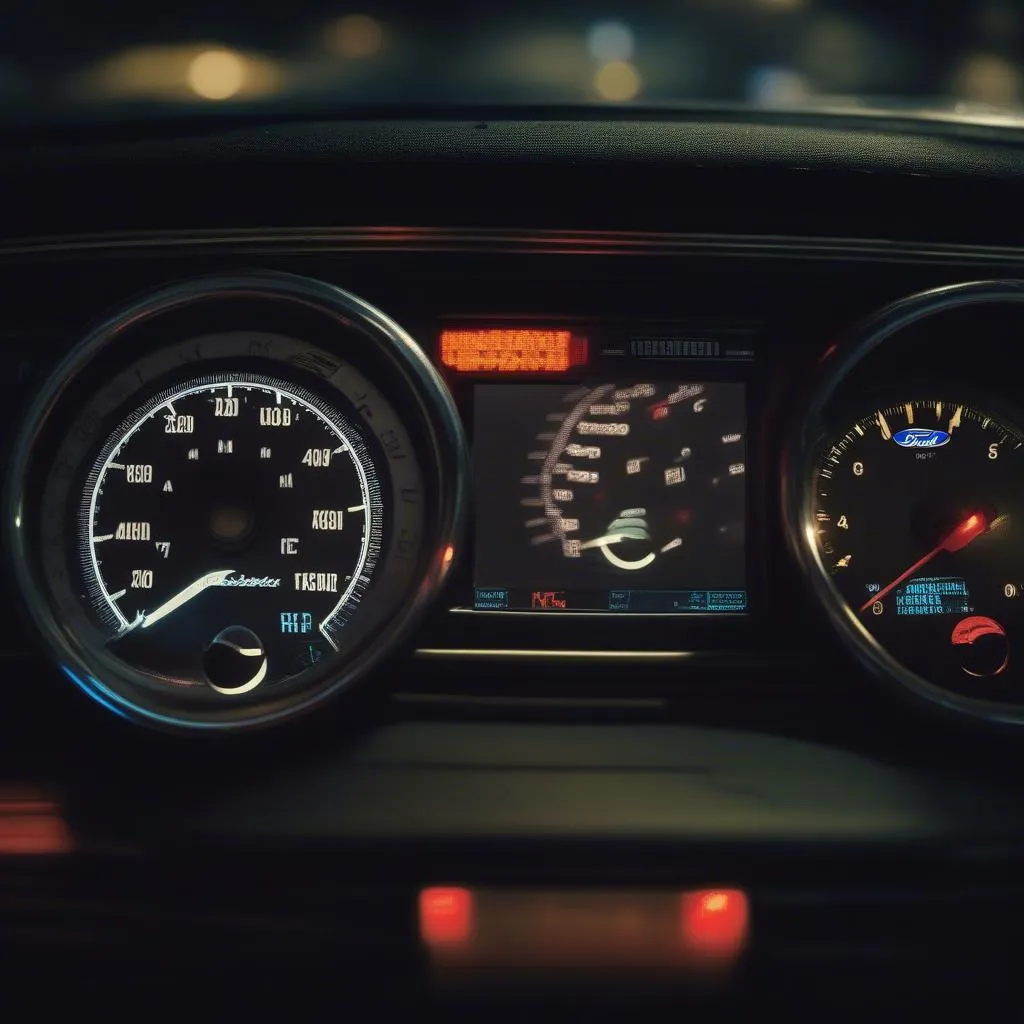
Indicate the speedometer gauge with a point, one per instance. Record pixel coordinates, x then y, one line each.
230 502
917 516
233 499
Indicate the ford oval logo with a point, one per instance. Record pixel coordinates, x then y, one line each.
920 437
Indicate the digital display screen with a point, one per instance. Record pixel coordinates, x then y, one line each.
618 497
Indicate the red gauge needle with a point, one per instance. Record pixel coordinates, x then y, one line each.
959 537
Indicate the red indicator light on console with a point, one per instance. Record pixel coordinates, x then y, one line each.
715 925
512 350
446 915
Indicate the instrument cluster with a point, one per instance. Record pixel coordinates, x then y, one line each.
238 496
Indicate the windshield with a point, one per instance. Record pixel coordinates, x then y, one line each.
124 58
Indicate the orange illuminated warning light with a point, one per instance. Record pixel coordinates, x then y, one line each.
512 350
446 915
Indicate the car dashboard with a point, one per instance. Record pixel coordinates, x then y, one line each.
475 531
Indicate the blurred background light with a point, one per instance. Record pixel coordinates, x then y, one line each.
181 73
777 87
867 54
216 74
989 78
617 81
354 36
610 41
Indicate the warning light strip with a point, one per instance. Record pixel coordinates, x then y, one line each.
512 350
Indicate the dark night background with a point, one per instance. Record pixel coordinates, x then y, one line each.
76 61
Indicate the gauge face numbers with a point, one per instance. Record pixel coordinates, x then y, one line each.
226 527
632 471
917 512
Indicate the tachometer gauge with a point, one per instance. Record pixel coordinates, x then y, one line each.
917 520
233 499
903 501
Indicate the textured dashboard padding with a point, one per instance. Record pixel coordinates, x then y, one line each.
846 144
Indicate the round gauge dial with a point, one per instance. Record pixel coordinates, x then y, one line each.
230 504
631 467
916 513
233 499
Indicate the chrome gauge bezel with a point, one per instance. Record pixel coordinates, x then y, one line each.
359 351
812 432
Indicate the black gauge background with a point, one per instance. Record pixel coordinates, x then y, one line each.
334 399
263 303
964 340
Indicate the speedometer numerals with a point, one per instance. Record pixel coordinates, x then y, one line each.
275 416
233 530
317 458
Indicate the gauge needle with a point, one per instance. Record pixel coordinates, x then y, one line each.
959 537
599 542
210 579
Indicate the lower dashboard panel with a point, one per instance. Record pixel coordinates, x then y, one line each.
855 878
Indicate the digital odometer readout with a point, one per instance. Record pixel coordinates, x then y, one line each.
615 497
225 527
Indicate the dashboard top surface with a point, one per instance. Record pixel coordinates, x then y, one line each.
845 143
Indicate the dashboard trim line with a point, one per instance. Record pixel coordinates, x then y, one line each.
408 239
534 654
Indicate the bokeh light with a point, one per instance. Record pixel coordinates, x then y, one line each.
777 87
617 81
773 54
181 74
216 74
611 41
989 78
354 36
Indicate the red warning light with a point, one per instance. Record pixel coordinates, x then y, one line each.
512 350
31 823
446 915
715 924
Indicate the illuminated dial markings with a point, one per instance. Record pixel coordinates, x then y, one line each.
240 504
629 468
916 519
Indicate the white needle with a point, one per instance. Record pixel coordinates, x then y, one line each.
210 579
599 542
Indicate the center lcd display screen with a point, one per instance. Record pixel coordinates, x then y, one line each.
617 497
